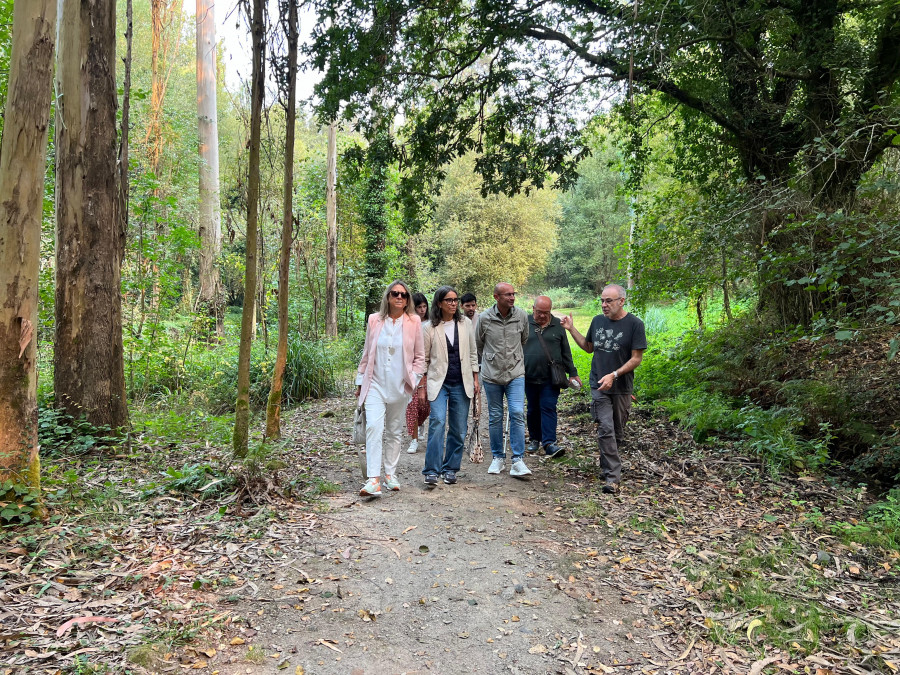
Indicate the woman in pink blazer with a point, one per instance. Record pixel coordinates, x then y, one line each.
392 364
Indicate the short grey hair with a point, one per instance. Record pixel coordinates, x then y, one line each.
619 289
385 308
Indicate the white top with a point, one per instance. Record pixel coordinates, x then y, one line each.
448 329
387 377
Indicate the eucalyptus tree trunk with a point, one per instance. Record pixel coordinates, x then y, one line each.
242 405
162 15
331 317
273 410
211 298
88 368
23 157
126 117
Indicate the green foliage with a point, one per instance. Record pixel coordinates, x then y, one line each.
60 434
887 512
200 479
562 298
181 368
743 381
375 217
475 241
593 225
880 528
882 459
18 503
845 263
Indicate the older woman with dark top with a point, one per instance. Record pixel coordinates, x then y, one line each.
393 363
452 381
417 410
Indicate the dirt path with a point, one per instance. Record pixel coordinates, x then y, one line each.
702 563
475 577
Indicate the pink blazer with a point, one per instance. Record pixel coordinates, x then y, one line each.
413 352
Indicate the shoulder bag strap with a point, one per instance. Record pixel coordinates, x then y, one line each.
544 344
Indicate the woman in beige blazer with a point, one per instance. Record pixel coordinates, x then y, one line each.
451 361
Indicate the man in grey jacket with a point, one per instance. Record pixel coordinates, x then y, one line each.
500 337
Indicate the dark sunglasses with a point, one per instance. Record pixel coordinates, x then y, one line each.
400 294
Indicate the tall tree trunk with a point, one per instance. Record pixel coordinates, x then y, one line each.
88 367
242 405
273 410
162 14
331 314
23 157
126 119
211 299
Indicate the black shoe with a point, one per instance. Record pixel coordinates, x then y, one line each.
450 477
610 487
533 446
553 451
431 479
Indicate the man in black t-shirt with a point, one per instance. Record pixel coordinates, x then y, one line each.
617 340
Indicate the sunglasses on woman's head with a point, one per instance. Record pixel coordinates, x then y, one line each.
400 294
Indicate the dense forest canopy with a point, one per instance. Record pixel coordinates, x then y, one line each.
800 99
789 85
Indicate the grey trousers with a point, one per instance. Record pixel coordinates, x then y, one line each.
610 412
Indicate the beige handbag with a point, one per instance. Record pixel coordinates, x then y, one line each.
359 438
476 453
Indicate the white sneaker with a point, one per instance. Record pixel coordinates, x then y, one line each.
413 446
496 465
519 470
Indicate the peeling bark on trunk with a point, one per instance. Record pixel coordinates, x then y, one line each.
331 317
23 157
273 409
88 372
242 405
211 298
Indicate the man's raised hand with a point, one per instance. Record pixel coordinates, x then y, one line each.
567 322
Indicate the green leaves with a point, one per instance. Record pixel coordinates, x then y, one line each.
18 503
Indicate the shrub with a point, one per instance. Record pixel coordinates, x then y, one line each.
60 434
18 503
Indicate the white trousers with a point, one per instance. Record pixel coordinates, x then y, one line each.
384 429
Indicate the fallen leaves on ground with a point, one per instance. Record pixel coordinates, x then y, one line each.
719 555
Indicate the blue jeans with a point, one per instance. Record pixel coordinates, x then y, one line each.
451 405
542 399
515 401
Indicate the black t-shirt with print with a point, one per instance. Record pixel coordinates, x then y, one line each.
613 342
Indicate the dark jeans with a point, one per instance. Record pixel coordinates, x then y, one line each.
610 412
449 409
542 398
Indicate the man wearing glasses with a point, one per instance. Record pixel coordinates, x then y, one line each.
500 337
618 340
